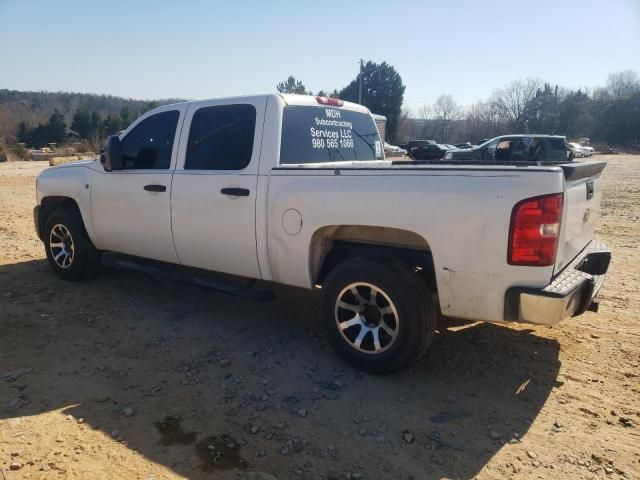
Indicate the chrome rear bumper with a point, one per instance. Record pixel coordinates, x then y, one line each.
571 292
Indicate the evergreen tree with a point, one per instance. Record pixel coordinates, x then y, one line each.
112 125
291 85
575 115
81 124
382 92
96 125
24 133
541 112
56 128
125 118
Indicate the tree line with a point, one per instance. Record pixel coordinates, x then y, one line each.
39 118
86 125
608 114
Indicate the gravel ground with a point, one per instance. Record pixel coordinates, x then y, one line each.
128 376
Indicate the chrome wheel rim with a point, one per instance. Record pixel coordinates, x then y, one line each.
61 246
366 318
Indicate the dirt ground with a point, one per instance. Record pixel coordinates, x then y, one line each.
128 376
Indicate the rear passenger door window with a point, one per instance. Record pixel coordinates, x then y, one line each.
503 150
555 150
519 149
221 138
150 144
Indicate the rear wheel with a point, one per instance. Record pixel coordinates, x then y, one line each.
378 314
68 247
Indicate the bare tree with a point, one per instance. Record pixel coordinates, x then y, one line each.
511 100
426 129
445 110
425 112
406 126
482 121
623 84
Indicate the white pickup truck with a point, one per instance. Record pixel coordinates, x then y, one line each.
296 190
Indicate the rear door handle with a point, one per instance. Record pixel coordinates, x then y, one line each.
235 192
154 187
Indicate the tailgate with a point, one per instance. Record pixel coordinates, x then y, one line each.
583 191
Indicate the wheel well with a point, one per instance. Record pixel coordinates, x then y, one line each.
49 204
333 245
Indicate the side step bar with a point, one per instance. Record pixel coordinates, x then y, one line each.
184 275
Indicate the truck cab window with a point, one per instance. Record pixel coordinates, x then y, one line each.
326 134
150 143
221 138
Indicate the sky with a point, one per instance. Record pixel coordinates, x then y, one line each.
194 49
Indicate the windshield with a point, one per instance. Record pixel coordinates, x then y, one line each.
327 134
487 142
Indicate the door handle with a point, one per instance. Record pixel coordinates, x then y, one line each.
154 187
235 192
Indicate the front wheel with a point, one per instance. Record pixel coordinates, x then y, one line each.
69 250
378 314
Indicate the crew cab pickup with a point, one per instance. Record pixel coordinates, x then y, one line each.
296 190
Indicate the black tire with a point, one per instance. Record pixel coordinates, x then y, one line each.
399 290
85 258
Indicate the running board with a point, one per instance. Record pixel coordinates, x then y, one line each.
183 275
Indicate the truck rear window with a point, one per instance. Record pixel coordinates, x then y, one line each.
328 134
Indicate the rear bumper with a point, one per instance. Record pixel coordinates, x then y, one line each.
571 292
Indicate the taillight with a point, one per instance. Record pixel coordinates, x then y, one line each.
535 230
335 102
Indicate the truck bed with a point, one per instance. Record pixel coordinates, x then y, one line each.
462 211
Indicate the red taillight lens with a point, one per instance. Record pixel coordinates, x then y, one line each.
534 232
334 102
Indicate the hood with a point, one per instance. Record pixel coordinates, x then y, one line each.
77 163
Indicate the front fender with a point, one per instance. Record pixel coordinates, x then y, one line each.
70 181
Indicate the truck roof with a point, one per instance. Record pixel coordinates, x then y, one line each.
311 101
532 135
288 98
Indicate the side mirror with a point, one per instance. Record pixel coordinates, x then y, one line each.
111 158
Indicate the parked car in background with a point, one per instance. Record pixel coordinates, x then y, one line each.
431 151
577 150
515 148
588 151
393 150
464 145
416 143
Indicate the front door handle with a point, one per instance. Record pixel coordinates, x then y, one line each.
154 187
235 191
